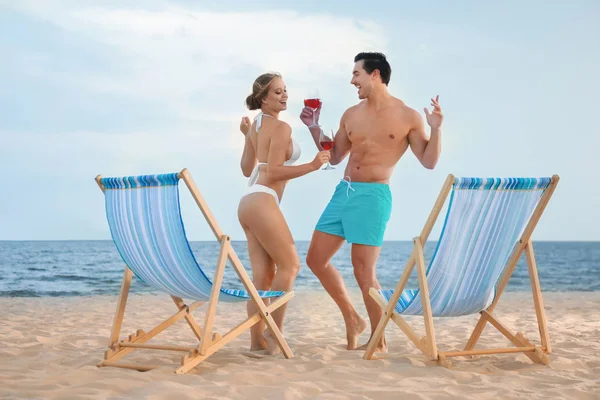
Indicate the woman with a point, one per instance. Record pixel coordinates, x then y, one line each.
268 158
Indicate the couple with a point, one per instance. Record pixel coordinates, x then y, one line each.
375 133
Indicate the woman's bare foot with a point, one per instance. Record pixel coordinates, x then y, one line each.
261 345
272 346
381 347
353 330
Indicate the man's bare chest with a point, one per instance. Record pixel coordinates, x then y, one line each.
392 131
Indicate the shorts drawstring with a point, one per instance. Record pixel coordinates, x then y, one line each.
348 182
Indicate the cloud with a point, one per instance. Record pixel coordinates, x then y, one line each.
189 69
175 51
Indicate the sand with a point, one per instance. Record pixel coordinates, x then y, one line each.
49 348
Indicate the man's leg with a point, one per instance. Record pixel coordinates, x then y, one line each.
368 211
322 248
364 261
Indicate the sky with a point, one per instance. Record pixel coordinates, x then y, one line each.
142 87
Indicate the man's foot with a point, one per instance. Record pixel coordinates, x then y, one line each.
353 330
272 346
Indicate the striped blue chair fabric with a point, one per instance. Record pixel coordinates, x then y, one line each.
145 222
485 220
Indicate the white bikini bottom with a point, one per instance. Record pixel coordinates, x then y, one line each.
257 188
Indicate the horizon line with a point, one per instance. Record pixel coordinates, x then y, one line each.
300 240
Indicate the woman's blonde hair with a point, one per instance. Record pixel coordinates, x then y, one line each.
260 89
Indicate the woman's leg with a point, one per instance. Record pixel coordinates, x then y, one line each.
263 272
260 213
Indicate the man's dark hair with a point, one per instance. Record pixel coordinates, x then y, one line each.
373 61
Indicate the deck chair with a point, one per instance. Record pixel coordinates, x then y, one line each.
145 222
488 226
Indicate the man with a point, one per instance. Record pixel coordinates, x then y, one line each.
376 133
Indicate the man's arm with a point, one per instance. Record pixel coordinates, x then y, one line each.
342 144
427 149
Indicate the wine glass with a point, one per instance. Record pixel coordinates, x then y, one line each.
313 100
327 142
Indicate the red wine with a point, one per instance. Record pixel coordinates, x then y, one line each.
312 103
326 145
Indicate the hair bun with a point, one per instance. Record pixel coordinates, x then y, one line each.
260 89
252 103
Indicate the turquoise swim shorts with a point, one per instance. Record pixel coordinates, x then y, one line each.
358 212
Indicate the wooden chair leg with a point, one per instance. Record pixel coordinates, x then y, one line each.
121 303
537 298
426 303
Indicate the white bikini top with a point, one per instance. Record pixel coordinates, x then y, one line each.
296 151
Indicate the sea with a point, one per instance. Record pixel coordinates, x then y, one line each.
89 268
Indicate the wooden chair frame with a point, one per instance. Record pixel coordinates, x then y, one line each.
209 341
427 344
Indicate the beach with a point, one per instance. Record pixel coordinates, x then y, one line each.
401 134
50 348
